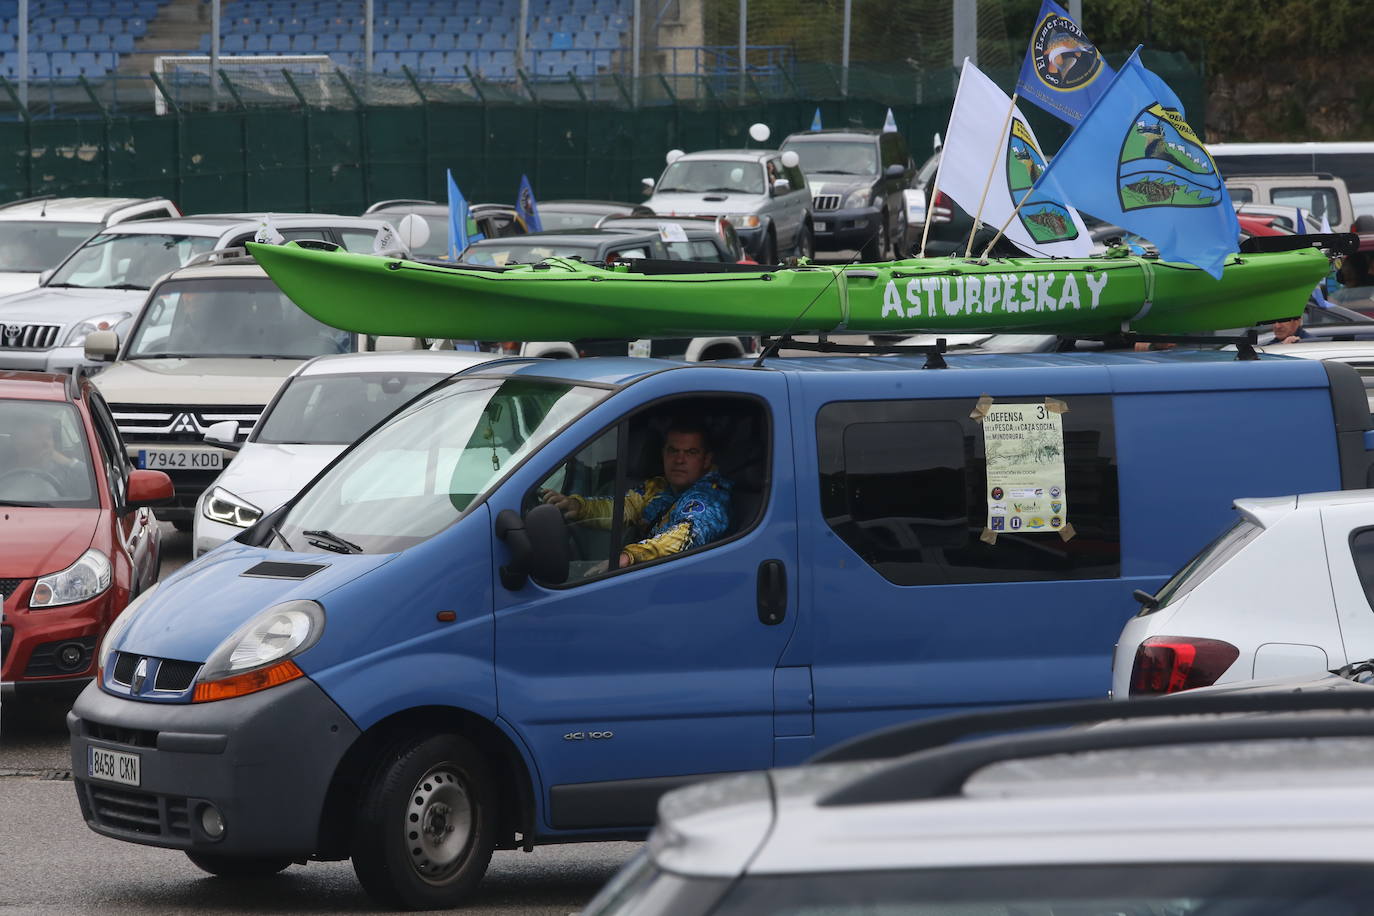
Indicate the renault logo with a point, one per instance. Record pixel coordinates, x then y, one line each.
185 423
140 676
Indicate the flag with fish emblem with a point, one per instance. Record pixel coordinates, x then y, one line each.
526 208
1135 162
1063 72
462 228
993 160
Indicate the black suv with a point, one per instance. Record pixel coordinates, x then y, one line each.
856 178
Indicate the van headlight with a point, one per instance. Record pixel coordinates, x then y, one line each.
859 198
259 654
83 580
77 335
121 623
222 506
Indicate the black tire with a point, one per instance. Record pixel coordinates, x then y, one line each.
878 246
182 524
769 254
428 799
806 243
223 866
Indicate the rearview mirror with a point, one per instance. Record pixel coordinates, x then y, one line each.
538 544
102 345
896 170
647 185
781 185
224 433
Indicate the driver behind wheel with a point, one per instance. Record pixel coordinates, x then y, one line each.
36 467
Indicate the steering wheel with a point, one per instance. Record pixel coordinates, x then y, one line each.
44 476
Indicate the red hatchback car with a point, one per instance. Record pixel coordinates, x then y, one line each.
77 541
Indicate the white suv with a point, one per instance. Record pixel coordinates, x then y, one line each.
1164 807
38 232
101 284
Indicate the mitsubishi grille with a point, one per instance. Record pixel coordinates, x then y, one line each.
825 202
142 423
28 336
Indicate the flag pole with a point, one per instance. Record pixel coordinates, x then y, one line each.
983 258
992 170
930 205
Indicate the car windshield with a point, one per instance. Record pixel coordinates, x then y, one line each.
836 157
722 176
514 251
44 458
128 260
1212 558
31 246
336 409
420 471
227 317
551 216
436 246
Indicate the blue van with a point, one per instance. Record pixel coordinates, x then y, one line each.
419 659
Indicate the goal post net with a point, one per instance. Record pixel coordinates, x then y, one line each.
257 79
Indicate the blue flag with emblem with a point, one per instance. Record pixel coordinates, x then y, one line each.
1135 162
816 119
1063 72
462 229
526 208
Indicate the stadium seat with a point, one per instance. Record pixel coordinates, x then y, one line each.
326 42
393 41
102 42
255 44
421 41
49 41
445 41
350 41
136 26
279 43
7 42
385 62
409 59
469 41
88 24
608 40
561 41
231 44
342 59
618 22
124 43
76 42
302 44
89 63
408 24
61 64
495 41
64 25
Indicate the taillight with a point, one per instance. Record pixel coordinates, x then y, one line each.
940 211
1168 664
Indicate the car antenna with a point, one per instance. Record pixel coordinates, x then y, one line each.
772 348
44 211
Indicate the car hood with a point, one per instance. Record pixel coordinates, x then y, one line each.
194 381
35 542
67 305
839 184
711 204
17 282
201 604
268 475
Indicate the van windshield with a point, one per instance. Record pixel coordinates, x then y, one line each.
1212 558
419 473
128 260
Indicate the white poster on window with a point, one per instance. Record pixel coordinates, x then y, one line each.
1024 444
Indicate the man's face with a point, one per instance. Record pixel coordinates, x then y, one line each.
1287 328
685 459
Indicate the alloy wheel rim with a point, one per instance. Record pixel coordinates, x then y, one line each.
438 823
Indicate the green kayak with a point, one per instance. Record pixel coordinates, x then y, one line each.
565 300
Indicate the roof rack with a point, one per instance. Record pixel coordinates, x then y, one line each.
111 211
398 202
1126 340
1346 243
931 765
221 256
934 353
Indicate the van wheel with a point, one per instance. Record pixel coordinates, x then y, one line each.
876 250
237 866
426 826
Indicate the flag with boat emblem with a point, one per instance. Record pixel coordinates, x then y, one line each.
1135 162
991 160
1063 72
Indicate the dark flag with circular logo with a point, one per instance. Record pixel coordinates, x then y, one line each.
1063 72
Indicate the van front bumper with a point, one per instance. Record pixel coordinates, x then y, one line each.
264 761
836 230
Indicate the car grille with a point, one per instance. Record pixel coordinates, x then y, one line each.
138 812
28 336
133 737
174 423
825 202
7 587
169 674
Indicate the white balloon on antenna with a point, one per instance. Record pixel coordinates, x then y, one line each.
790 159
760 132
674 155
413 230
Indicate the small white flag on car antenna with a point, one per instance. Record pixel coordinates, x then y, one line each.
267 233
386 241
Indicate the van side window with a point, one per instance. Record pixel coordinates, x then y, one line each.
677 477
903 484
1362 552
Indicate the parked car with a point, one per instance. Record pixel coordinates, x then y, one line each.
582 214
857 178
1284 590
493 221
38 232
768 203
727 247
102 283
321 408
428 635
979 815
1358 354
1320 194
210 345
76 539
1281 217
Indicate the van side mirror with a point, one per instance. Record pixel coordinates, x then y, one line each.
101 345
896 170
147 488
538 544
224 433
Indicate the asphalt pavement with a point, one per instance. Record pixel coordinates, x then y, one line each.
52 863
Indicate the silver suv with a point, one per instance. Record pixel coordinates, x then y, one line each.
768 202
38 232
100 285
1248 803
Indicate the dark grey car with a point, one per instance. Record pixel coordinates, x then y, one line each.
857 178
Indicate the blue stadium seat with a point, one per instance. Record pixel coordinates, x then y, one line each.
89 64
232 44
445 41
48 41
124 43
65 25
539 41
594 22
302 44
326 42
75 42
7 42
619 22
279 43
385 62
431 62
268 26
608 40
38 26
88 24
203 46
393 41
494 41
421 41
136 26
350 41
408 24
409 59
102 42
469 41
546 23
61 64
342 59
255 43
561 41
340 25
503 24
602 59
432 25
457 60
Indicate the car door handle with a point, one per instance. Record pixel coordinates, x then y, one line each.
772 592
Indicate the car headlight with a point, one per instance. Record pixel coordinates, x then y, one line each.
859 198
747 220
77 336
222 506
84 579
258 654
121 623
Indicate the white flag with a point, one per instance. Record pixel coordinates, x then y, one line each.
889 123
1326 224
386 241
981 142
267 233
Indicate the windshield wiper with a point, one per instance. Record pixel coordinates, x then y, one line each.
671 190
23 505
725 190
319 537
70 285
123 286
837 172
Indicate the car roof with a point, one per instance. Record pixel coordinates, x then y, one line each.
865 133
238 267
34 386
586 206
216 224
743 155
444 362
586 236
70 209
1324 349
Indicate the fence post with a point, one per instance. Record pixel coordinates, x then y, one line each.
104 131
624 93
178 187
364 148
305 125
